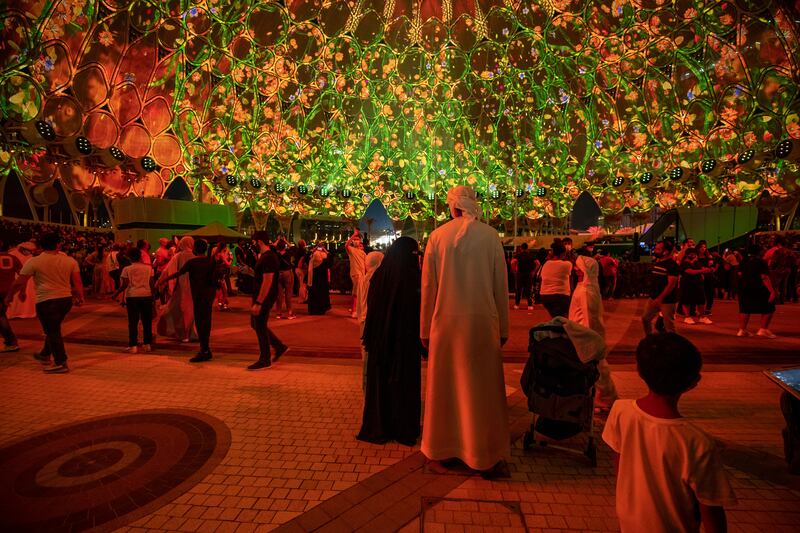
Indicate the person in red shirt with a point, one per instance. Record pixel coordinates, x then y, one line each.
9 269
608 266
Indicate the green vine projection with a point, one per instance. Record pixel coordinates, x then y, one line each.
321 106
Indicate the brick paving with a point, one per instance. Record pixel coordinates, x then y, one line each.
294 464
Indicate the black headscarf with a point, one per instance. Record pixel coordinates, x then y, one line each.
393 302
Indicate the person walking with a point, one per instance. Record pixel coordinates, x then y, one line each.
525 265
57 279
692 288
391 338
464 324
202 285
9 269
265 292
609 267
137 284
757 295
285 280
556 286
663 288
222 266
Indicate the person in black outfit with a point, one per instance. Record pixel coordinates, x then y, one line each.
204 287
757 295
391 338
525 267
265 293
319 299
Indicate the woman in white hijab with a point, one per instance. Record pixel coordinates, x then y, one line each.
371 263
176 318
586 308
18 308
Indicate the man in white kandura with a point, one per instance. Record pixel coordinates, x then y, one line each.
464 324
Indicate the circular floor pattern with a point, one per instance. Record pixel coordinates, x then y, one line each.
108 471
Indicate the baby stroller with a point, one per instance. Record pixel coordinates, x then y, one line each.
559 384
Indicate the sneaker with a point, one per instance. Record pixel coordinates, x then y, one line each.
530 308
147 348
44 359
767 334
292 316
689 320
516 307
705 320
132 349
258 365
201 357
279 352
57 369
10 348
743 333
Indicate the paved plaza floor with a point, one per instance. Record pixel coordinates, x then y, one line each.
152 442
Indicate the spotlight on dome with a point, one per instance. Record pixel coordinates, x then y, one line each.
302 189
750 159
646 178
279 188
541 192
324 191
346 193
144 165
77 146
494 193
111 157
36 132
617 182
712 168
255 183
410 195
430 196
675 174
788 149
519 193
229 181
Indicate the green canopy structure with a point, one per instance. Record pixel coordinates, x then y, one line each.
216 230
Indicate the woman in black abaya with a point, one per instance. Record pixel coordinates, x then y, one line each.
391 337
319 300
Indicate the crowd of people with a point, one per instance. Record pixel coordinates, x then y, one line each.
690 276
450 304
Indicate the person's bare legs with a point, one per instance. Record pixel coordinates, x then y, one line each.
765 320
743 320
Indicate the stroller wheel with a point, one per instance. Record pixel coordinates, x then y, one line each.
527 440
591 452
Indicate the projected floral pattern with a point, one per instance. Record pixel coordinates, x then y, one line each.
321 106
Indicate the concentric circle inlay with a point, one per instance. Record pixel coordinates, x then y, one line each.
106 472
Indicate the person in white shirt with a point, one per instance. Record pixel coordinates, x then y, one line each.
670 476
555 287
57 279
137 284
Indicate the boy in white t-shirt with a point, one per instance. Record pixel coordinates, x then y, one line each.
137 283
670 476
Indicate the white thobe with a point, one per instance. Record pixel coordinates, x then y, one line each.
464 314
